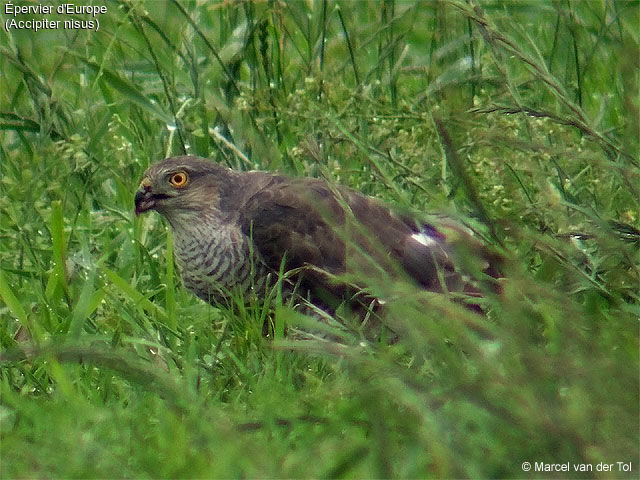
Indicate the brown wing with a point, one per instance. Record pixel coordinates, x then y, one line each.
305 222
287 220
401 245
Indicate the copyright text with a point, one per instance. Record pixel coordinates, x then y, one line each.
576 467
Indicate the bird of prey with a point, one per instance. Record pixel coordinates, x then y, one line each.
238 231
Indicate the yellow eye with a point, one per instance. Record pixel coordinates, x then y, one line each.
179 179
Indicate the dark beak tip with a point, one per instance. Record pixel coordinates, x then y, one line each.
143 201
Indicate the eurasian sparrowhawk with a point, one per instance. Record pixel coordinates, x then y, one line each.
234 230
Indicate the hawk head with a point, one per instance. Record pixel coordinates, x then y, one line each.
181 187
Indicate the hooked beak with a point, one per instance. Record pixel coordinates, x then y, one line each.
144 199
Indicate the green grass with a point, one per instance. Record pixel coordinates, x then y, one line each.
109 368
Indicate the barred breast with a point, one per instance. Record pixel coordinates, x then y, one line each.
215 263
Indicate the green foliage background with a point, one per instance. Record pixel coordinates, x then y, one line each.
110 369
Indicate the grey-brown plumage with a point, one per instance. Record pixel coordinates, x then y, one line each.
233 230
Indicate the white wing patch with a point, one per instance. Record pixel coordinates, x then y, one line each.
424 239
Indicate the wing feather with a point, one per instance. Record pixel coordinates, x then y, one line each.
308 222
285 221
